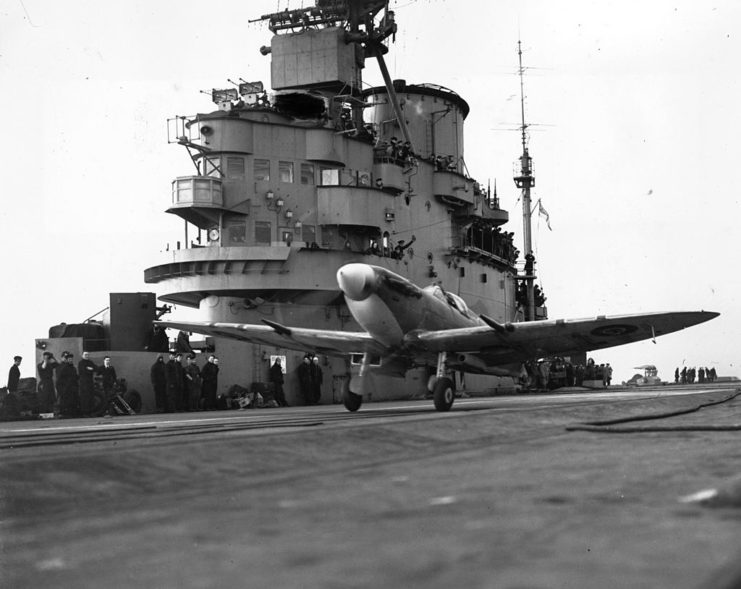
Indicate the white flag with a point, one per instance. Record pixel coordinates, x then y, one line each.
543 213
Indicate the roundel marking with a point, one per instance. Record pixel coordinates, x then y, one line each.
614 330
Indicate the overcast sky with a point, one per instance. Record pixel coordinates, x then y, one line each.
636 145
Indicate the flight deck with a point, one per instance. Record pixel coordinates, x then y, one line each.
499 492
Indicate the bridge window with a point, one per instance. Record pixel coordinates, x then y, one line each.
330 176
286 235
237 233
263 232
235 167
262 170
307 174
285 171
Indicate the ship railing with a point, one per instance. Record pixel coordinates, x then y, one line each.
382 158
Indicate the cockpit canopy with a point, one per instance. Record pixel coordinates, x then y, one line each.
453 300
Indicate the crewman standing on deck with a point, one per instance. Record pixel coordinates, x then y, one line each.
86 371
180 396
193 383
47 394
316 380
67 387
171 378
158 378
14 374
210 376
304 380
276 377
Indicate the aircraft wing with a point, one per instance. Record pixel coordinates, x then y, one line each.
294 338
501 344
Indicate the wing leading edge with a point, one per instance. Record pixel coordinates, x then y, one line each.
521 341
295 338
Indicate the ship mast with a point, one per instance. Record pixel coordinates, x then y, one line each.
525 181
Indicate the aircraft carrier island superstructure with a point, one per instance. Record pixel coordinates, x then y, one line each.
289 185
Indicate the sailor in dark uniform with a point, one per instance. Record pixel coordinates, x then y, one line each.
210 376
171 379
276 377
86 371
316 380
158 376
67 387
181 397
14 375
47 394
192 384
304 380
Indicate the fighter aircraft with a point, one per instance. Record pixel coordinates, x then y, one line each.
407 326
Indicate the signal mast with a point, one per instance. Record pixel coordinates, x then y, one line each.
524 181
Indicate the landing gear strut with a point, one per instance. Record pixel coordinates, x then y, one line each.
443 393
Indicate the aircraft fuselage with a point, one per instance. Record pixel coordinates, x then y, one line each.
389 306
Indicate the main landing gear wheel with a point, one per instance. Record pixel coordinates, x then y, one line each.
352 401
443 394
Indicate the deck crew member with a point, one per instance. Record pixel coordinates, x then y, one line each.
193 384
181 402
67 387
14 374
316 380
304 380
109 381
47 394
210 376
276 377
159 383
86 369
171 380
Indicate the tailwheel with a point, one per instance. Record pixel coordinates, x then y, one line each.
443 394
352 401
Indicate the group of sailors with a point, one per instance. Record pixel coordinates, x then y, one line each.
188 387
689 375
396 252
394 151
310 377
493 240
444 163
549 374
521 299
68 390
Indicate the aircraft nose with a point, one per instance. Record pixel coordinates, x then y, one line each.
357 281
